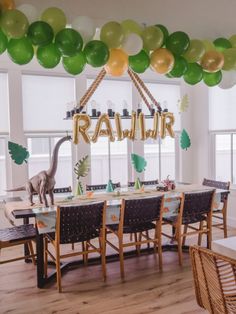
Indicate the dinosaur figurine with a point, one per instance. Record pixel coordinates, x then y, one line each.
44 181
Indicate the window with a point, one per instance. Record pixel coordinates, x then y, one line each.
2 166
4 118
160 156
44 102
222 110
109 160
40 149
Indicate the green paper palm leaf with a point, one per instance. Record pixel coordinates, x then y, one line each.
18 153
82 167
138 162
185 142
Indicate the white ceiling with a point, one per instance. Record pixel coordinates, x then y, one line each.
200 19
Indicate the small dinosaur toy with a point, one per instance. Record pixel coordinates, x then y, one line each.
44 181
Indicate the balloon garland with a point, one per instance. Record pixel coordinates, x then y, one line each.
23 34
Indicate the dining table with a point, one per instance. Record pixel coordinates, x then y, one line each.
45 217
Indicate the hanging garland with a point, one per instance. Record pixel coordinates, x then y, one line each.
120 46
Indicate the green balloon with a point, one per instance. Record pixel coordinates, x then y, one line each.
20 50
55 17
152 38
232 40
130 26
180 67
229 59
97 53
112 34
69 42
222 43
140 62
40 33
194 74
14 23
164 31
195 51
74 65
48 56
169 75
178 43
212 79
3 42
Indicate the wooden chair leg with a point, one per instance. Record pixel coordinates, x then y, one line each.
85 256
131 237
31 250
225 223
147 235
158 236
45 257
179 241
184 237
136 245
58 267
121 255
209 232
200 233
73 246
102 242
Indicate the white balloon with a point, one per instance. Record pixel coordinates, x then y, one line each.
132 44
228 79
29 11
85 26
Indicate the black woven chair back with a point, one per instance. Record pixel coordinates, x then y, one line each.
151 182
218 185
97 187
80 223
63 190
196 205
139 211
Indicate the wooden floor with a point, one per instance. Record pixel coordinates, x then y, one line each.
145 290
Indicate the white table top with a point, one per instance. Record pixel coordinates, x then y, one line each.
225 247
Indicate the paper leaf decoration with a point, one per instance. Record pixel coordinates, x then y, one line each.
138 162
19 154
82 167
183 104
185 142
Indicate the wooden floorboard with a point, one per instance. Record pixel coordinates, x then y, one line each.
145 290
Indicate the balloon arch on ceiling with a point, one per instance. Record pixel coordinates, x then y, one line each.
119 46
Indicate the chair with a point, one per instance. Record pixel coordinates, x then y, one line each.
96 187
151 182
136 217
18 235
194 207
220 213
77 224
214 280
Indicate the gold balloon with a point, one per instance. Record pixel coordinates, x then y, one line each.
167 126
130 134
7 4
212 61
154 132
104 118
119 131
117 64
79 128
142 127
162 61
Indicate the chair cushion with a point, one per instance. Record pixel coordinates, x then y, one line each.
134 228
185 221
18 233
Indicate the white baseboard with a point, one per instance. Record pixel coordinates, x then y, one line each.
231 221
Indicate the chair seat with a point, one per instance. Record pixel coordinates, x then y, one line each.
185 221
18 233
134 228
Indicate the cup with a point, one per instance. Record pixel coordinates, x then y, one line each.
94 112
109 111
